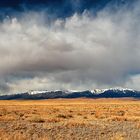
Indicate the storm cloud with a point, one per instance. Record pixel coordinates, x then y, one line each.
77 52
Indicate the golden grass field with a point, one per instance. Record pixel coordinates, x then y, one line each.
70 119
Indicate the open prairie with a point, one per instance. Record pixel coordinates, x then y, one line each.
70 119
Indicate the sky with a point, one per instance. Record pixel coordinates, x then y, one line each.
69 44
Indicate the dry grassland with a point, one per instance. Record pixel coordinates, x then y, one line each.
70 119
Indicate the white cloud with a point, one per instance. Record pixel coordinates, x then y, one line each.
82 51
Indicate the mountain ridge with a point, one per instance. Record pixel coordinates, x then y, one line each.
96 93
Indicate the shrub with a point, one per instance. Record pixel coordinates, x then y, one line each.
64 116
37 119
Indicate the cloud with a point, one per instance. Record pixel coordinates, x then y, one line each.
81 51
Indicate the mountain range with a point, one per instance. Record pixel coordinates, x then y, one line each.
96 93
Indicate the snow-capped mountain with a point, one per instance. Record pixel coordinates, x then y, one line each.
117 89
96 93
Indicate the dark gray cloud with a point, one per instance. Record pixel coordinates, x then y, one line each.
81 51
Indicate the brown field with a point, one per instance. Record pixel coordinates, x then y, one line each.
70 119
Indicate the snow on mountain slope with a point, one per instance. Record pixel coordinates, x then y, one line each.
33 92
37 92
